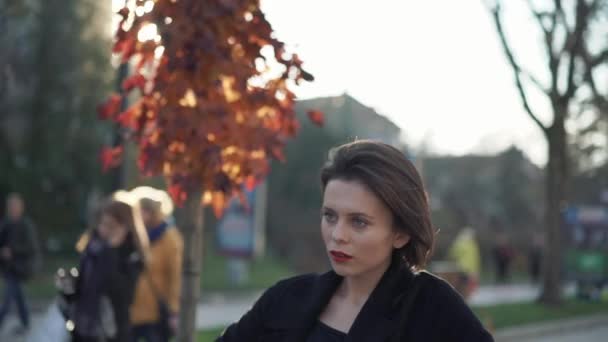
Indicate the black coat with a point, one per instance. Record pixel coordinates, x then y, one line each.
290 309
108 272
20 237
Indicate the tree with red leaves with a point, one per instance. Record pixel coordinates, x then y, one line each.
212 107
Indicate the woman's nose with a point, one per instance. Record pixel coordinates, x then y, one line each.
340 233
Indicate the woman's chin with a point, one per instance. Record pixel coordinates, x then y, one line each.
341 270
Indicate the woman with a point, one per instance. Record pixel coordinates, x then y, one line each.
375 223
109 267
155 306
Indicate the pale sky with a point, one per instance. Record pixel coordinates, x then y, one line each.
435 67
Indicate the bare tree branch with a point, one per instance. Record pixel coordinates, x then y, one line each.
599 59
549 34
535 81
573 45
516 69
560 14
601 101
539 18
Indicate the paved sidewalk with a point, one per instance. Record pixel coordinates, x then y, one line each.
219 310
47 326
511 293
584 329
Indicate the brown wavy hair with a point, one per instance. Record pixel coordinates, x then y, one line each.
119 211
387 172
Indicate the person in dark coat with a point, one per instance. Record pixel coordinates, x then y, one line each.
503 256
375 223
18 255
109 267
535 257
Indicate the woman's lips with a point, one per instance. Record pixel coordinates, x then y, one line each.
340 256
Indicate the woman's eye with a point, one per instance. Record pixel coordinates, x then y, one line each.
329 217
359 223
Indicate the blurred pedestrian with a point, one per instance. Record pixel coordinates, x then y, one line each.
503 255
18 254
155 309
465 253
377 230
535 255
110 263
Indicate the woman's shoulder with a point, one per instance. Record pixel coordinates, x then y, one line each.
437 283
449 311
440 292
171 239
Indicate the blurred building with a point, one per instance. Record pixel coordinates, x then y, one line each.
345 116
488 192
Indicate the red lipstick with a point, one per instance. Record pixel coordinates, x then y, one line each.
338 256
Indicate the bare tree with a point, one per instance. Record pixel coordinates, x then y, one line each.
573 60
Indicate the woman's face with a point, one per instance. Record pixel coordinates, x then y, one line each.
357 229
111 230
147 217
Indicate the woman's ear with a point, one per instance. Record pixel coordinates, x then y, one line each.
401 239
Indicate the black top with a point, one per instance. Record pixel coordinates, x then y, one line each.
324 333
289 311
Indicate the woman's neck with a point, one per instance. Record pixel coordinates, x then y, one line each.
357 289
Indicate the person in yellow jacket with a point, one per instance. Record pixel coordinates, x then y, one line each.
465 253
155 308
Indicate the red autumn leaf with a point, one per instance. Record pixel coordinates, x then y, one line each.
124 12
316 117
129 118
277 153
178 194
111 157
135 81
292 128
127 49
124 43
251 182
108 109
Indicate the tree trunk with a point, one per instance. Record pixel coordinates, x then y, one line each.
190 221
555 192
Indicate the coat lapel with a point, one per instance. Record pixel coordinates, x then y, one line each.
379 316
323 289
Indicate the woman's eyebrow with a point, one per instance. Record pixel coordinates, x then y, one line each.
357 213
350 214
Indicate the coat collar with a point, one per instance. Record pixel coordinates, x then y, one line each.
378 317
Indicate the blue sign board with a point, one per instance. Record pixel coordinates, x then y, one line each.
236 230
